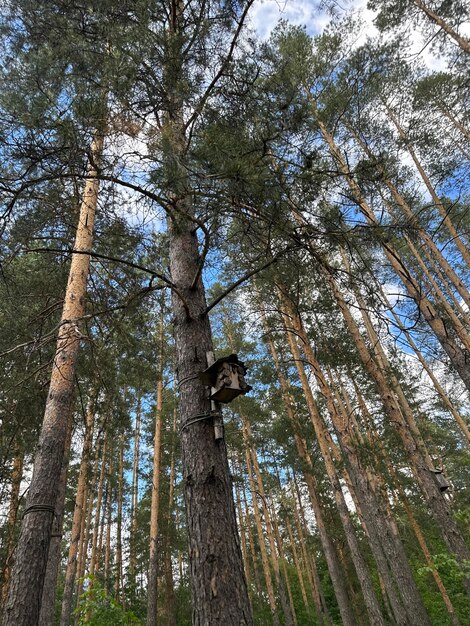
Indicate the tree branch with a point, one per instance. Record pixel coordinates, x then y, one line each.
246 276
136 266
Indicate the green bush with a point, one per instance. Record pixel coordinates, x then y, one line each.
97 608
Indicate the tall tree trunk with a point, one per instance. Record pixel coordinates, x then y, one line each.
109 523
218 586
288 618
134 500
408 431
99 500
155 503
363 575
46 616
453 350
292 617
217 578
300 571
170 618
329 551
242 526
435 198
16 477
331 555
24 601
87 522
118 581
446 27
251 542
261 542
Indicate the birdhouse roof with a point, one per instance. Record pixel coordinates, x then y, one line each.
209 375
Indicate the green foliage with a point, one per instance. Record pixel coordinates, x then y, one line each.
97 608
444 562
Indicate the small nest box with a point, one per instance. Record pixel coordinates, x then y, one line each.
442 483
226 377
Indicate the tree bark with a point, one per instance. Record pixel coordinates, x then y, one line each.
24 602
446 27
118 580
363 575
453 350
46 616
155 502
16 477
261 541
328 549
99 500
408 431
170 618
218 586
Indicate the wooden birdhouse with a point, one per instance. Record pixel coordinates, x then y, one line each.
442 483
226 378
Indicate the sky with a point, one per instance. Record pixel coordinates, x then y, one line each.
265 14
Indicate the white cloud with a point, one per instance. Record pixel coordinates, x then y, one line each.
265 14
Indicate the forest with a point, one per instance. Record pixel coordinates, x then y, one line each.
234 313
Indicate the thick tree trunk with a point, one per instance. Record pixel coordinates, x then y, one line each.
46 616
24 602
155 502
218 586
217 578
